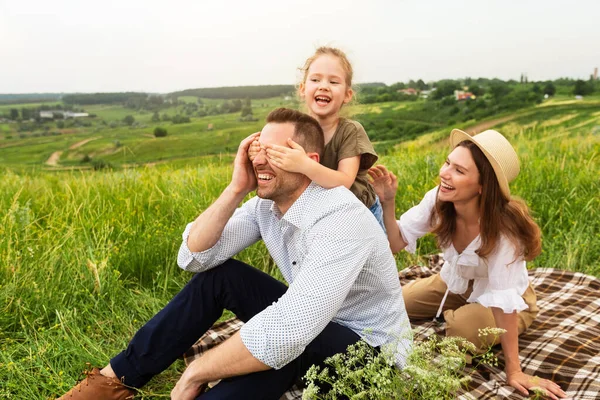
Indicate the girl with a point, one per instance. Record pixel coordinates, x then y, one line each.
486 237
326 86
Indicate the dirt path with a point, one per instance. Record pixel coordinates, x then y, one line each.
79 144
482 126
53 159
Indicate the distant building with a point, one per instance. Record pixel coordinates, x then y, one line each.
70 114
409 91
579 97
47 114
596 73
426 93
463 95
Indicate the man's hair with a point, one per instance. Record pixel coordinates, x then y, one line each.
307 131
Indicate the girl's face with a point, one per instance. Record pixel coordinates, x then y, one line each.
459 177
325 90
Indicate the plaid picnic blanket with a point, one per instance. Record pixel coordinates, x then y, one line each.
562 344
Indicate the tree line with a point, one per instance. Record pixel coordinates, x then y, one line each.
237 92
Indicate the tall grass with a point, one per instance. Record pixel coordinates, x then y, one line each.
86 258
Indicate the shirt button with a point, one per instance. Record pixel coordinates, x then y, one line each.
293 262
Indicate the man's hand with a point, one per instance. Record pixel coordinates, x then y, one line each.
524 382
187 388
243 180
290 159
384 182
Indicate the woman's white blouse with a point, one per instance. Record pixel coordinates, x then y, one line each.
498 281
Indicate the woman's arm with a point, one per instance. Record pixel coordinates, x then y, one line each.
515 377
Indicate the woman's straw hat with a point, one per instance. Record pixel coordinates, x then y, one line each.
498 151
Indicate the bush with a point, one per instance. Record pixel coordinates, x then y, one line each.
160 132
129 120
100 164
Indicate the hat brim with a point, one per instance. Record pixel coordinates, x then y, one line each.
457 136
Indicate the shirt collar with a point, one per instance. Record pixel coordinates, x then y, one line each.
297 210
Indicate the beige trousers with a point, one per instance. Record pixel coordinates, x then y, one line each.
424 296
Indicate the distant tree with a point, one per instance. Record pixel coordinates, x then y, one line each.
421 85
14 114
26 113
445 88
155 117
225 107
60 124
160 132
155 101
246 111
129 120
180 119
236 105
549 89
100 164
582 88
166 117
476 89
499 90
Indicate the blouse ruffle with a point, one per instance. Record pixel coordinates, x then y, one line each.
499 280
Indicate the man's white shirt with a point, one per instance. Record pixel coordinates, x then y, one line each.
337 262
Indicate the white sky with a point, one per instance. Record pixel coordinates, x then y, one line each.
163 46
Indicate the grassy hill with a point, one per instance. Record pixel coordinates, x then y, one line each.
87 256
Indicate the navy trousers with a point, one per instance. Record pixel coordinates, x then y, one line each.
245 291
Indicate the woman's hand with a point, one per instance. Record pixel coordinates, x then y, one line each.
290 159
524 382
384 182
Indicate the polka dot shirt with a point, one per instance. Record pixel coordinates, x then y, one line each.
337 262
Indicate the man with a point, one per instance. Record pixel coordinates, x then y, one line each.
342 280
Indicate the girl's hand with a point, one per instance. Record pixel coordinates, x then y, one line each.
254 148
290 159
384 182
523 382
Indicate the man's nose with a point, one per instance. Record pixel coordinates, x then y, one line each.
261 157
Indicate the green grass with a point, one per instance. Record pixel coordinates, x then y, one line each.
86 257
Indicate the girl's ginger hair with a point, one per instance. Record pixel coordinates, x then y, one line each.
498 215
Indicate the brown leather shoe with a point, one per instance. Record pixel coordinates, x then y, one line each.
98 387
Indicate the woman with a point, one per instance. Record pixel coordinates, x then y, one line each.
486 237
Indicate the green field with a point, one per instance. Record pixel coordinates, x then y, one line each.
87 256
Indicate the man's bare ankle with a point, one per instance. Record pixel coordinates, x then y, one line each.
108 372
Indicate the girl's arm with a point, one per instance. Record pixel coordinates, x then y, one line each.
385 184
294 159
515 377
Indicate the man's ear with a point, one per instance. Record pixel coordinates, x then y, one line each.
314 156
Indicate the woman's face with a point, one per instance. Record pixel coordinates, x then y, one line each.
459 177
